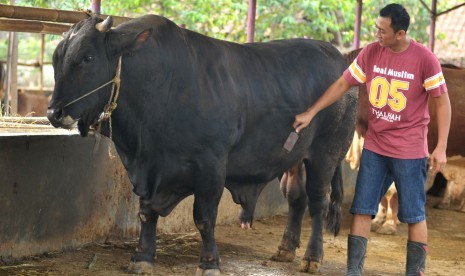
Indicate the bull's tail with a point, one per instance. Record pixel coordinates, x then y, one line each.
333 219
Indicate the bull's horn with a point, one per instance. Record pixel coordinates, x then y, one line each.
105 25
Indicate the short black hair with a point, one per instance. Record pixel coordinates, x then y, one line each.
400 19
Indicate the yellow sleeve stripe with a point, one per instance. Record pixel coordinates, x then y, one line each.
434 81
357 72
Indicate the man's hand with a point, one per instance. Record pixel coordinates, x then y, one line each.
330 96
302 120
437 160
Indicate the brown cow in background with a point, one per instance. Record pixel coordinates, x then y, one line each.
455 80
29 105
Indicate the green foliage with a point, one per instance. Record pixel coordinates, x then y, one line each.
313 19
3 45
223 19
52 4
330 20
419 18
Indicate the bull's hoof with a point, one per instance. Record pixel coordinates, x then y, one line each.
375 226
283 256
388 228
442 206
462 206
207 272
246 225
308 266
142 268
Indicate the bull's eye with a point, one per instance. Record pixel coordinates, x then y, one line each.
88 59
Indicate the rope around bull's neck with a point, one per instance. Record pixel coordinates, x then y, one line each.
111 106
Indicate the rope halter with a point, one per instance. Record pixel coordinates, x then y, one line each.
111 105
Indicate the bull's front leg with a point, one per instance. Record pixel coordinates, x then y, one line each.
293 187
208 192
143 259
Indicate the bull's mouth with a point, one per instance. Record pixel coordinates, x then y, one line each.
59 120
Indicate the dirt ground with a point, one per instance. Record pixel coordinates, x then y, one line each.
248 252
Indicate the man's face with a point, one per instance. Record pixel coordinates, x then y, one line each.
385 33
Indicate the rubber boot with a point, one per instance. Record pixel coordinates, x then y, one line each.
416 258
356 249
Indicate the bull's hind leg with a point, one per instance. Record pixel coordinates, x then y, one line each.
143 259
320 173
293 188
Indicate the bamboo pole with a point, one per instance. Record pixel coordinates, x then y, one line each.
29 64
41 14
51 15
29 26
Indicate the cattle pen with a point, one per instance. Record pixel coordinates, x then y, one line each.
79 194
74 213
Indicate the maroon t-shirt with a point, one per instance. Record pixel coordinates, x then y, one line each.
398 87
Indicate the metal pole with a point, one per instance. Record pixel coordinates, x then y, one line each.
41 64
251 20
11 93
358 23
432 28
95 6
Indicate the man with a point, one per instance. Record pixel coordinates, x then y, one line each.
400 75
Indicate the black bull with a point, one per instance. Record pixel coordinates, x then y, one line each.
196 114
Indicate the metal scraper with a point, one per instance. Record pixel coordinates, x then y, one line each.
290 141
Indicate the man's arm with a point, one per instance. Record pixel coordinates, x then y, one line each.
331 95
438 159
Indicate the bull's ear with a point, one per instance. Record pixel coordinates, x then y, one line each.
126 42
142 37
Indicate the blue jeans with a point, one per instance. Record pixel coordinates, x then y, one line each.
376 174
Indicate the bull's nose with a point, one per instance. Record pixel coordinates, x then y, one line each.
59 119
54 116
